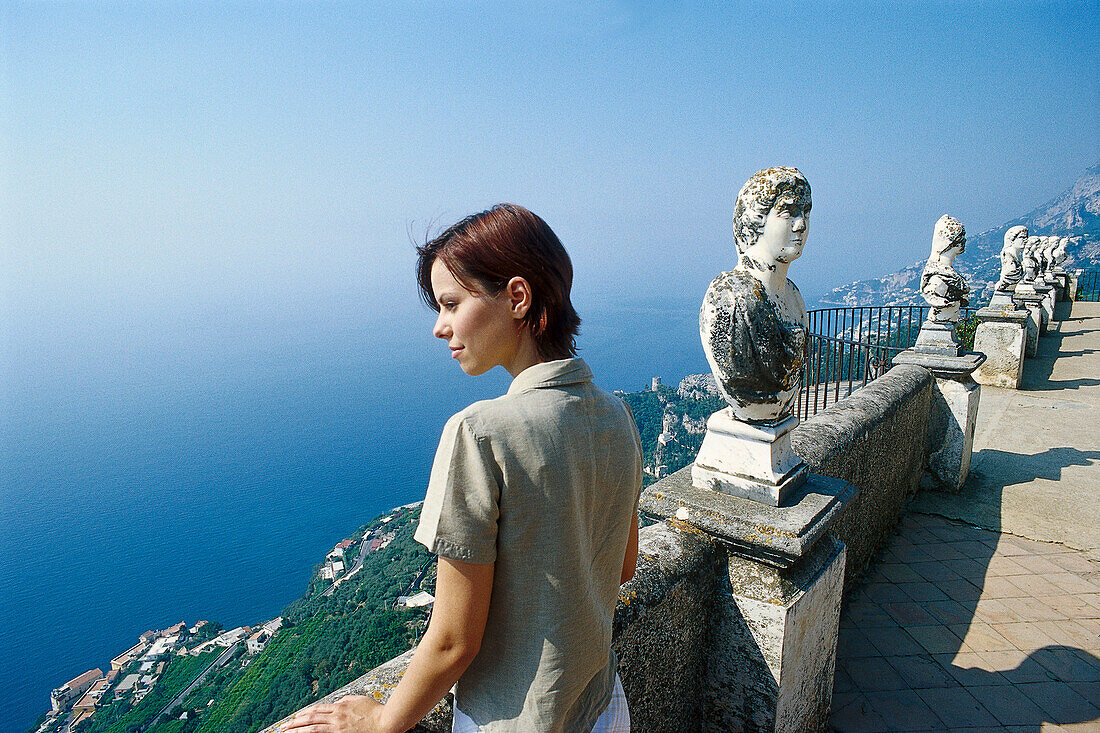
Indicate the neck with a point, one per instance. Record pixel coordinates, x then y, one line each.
774 279
526 355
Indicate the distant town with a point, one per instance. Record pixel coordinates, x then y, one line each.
133 674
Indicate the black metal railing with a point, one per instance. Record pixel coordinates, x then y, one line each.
849 347
1088 286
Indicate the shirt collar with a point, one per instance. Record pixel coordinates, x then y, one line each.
551 374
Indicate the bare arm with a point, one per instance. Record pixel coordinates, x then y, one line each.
630 560
449 646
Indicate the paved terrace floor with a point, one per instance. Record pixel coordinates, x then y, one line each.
983 612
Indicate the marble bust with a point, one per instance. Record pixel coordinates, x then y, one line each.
1060 251
1031 260
942 287
753 320
1011 270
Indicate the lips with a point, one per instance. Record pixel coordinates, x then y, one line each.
455 351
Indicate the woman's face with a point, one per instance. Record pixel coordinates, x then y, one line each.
481 331
784 233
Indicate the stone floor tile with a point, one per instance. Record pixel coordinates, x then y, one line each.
1025 636
899 573
1060 702
892 641
1007 548
912 553
909 614
970 669
1091 726
967 567
842 682
957 708
935 571
1000 565
1074 584
1038 565
1074 607
1037 586
1075 563
973 548
1008 663
982 638
1071 633
994 611
1093 599
853 644
944 550
922 672
961 590
1032 609
923 592
852 713
904 710
935 639
950 612
874 674
1070 665
868 613
1088 690
1001 587
883 593
1090 624
1009 705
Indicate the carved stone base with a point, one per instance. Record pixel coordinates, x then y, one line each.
778 631
937 338
954 416
1001 335
1001 299
1032 302
749 460
1047 304
1071 286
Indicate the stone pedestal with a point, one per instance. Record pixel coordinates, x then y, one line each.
1002 336
773 648
954 414
937 338
1071 287
752 461
1047 303
1032 302
1001 299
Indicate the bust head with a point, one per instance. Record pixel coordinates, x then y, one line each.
1015 239
770 217
949 238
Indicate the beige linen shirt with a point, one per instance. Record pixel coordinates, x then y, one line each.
544 482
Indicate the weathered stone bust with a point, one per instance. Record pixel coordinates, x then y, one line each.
942 287
1049 254
1031 260
1060 252
753 320
1011 269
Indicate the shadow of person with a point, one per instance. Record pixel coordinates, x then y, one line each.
1051 677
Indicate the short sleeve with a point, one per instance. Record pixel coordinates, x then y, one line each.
459 518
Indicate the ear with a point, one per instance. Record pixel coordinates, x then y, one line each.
519 295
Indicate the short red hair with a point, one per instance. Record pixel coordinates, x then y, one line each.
486 250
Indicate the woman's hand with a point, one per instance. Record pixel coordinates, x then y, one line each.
353 714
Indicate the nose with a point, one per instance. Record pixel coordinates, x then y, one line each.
799 224
441 330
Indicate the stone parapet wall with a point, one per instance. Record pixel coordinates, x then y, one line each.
875 440
663 627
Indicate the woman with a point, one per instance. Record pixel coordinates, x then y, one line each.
531 506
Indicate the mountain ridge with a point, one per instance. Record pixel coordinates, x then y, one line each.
1075 213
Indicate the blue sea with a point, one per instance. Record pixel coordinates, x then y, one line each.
192 475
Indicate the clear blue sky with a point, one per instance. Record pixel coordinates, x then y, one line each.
163 162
